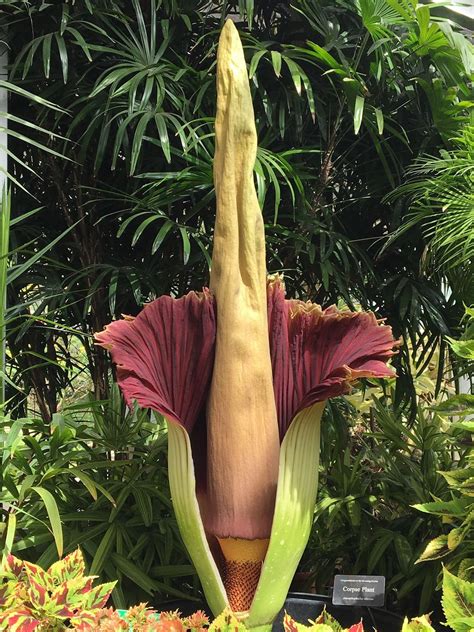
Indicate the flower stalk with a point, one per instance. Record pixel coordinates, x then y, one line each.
242 375
241 406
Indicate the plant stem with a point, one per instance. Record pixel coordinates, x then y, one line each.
4 244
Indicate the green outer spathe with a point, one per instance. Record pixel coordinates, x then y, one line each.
188 516
293 518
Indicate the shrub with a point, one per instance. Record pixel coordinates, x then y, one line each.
34 599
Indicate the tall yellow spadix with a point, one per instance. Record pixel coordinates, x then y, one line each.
243 442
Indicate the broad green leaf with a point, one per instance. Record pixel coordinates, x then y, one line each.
458 602
358 113
10 534
12 440
138 139
53 515
276 62
455 537
324 56
296 73
455 507
143 225
186 244
435 549
463 623
468 425
293 517
380 121
133 572
255 61
456 477
462 348
164 138
103 550
188 516
47 40
382 543
62 55
404 551
144 505
81 42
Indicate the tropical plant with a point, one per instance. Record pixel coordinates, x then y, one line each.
63 598
455 546
35 599
458 602
20 486
374 468
440 189
326 623
380 466
222 382
102 470
345 95
458 606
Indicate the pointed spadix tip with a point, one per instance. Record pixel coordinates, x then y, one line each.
229 28
229 37
230 51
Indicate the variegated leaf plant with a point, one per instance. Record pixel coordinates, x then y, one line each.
242 376
34 599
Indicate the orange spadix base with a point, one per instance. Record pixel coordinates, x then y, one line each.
243 564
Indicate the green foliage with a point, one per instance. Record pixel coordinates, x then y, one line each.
374 469
24 131
63 598
105 469
440 190
464 348
31 598
456 545
458 602
346 95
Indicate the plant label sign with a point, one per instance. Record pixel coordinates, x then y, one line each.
358 590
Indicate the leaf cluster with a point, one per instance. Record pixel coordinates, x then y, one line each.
96 477
458 602
374 469
32 598
455 546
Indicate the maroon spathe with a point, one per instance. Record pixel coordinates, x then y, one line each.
165 355
317 353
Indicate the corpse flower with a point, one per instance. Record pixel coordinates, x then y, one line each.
242 375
